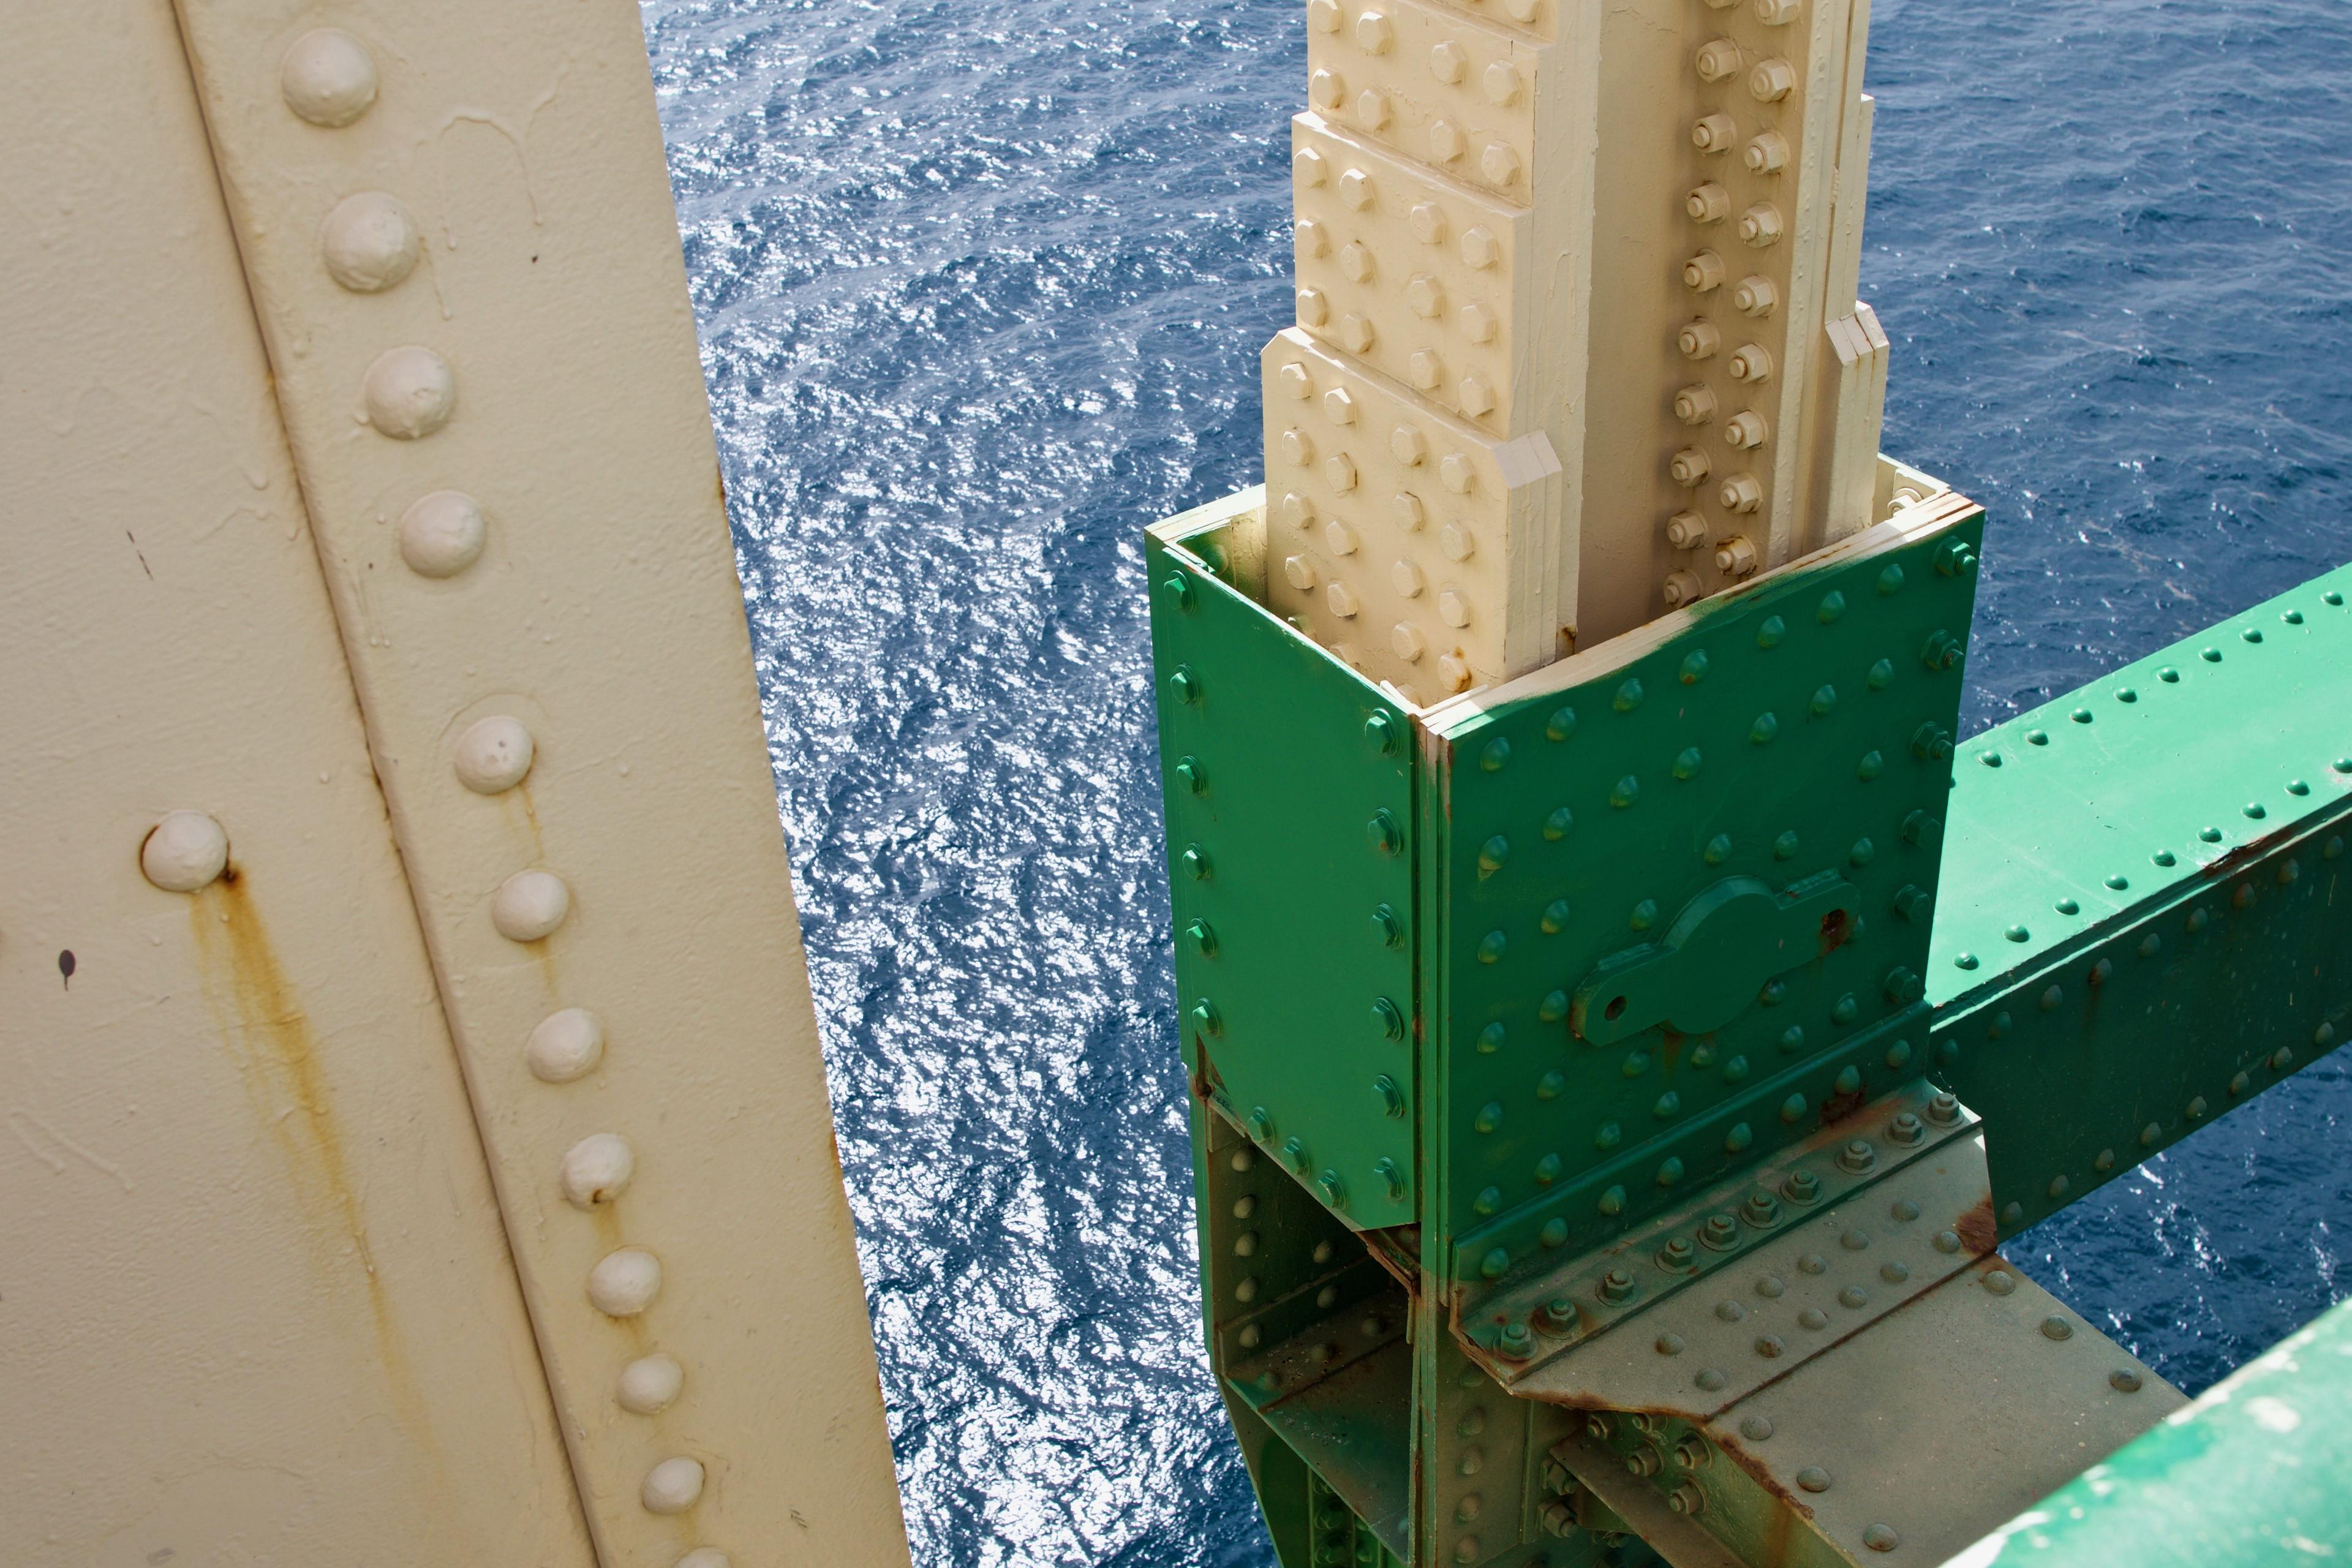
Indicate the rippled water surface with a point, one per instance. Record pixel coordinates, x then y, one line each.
982 286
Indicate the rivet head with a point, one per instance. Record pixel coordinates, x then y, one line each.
531 905
185 852
2124 1381
704 1557
1381 731
566 1045
1813 1479
328 77
650 1385
672 1486
1880 1538
368 242
597 1168
493 754
624 1283
410 392
442 533
2000 1282
2056 1328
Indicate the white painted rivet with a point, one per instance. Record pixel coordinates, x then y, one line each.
442 533
328 77
704 1557
530 904
1407 641
183 852
368 242
410 392
672 1486
1342 600
1453 609
1299 571
493 754
597 1168
650 1384
566 1045
624 1283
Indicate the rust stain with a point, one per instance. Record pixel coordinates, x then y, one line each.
264 1023
1977 1230
2250 852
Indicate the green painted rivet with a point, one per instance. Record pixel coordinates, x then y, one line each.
1832 606
1490 947
1391 1098
1205 938
1846 1010
1557 825
1882 674
2067 907
1891 580
2240 1083
1554 1232
2164 858
2210 834
2196 922
1612 1202
1717 850
2011 1214
1381 731
1669 1106
1205 1014
1548 1168
1849 1080
1189 774
1488 1200
1770 633
1489 1117
1492 854
1608 1137
1964 961
1792 1110
1387 1019
1644 915
1387 927
1384 833
1764 730
1628 697
1774 993
1495 1264
1670 1171
1549 1085
1739 1138
1627 790
2333 848
2037 737
1196 862
2126 695
2253 808
1686 763
1496 755
1823 702
1784 848
1735 1069
2001 1024
2293 617
1561 724
1555 917
2018 934
1898 1055
1490 1040
1637 1062
1334 1190
2298 787
1694 669
2151 1136
2332 597
1553 1008
2081 715
1703 1054
1870 767
2118 881
1989 759
1387 1170
2197 1108
2168 675
1185 684
2252 633
1903 985
2150 946
1863 853
1261 1124
2052 998
1179 589
2211 655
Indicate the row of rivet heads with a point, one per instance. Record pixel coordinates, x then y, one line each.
1249 1286
2153 1136
1462 588
1462 1413
1483 82
1720 63
2211 838
1471 334
369 244
1688 1244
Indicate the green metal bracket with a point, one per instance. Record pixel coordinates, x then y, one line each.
1724 947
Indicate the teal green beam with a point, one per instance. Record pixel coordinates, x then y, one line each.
2253 1473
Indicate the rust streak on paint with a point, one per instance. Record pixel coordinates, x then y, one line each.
262 1018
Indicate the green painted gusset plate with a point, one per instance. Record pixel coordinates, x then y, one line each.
2143 781
1288 782
2145 916
2253 1473
1686 880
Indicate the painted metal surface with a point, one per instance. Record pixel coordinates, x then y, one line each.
457 230
2143 922
255 1303
2251 1473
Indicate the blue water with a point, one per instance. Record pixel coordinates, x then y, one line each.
981 286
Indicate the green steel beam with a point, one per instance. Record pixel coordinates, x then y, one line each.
2143 917
2253 1473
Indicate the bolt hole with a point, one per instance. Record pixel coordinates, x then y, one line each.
1615 1010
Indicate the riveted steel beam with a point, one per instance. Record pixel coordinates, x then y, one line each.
457 227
